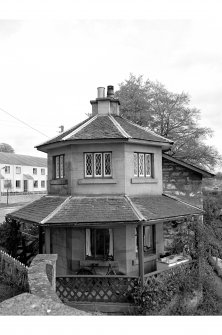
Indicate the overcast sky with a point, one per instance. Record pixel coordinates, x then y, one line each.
50 69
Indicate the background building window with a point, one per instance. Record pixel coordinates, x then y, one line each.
59 166
98 164
18 183
7 169
35 183
42 183
142 165
18 170
34 170
43 172
99 244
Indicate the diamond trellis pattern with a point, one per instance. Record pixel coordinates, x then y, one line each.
147 165
98 164
107 164
88 162
95 288
141 164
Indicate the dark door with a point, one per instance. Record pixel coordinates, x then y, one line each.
25 185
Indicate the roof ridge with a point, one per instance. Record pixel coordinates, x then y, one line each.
48 217
82 126
118 126
145 129
135 209
60 135
183 202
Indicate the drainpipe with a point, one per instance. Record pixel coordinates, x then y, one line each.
141 253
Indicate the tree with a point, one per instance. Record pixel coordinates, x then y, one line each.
169 114
4 147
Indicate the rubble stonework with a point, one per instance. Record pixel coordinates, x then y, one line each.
182 182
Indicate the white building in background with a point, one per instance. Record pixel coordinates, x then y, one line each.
22 173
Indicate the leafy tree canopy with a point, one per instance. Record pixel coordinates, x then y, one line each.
4 147
169 114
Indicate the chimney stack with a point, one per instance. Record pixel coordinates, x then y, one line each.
110 91
100 92
105 105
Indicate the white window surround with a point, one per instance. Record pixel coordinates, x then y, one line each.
18 170
59 166
97 165
143 165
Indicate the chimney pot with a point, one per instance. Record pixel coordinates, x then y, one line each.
101 92
110 91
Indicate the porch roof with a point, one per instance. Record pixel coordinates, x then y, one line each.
50 210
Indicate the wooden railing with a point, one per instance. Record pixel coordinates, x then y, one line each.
95 288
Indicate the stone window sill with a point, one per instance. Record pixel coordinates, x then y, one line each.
58 182
137 180
96 181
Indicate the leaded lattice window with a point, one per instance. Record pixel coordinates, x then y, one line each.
59 166
98 164
148 165
107 164
88 165
135 158
142 165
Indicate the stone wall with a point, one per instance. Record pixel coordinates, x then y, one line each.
182 182
42 299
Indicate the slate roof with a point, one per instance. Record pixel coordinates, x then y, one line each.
39 209
162 207
107 127
15 159
105 209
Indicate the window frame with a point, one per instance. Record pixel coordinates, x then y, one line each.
7 169
19 183
34 171
42 181
137 165
102 155
61 163
95 255
18 168
42 171
35 184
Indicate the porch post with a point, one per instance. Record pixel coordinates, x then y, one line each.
40 240
141 253
47 240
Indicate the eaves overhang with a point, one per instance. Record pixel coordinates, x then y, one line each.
59 144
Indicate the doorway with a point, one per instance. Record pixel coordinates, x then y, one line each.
25 185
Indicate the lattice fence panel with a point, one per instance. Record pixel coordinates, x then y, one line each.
95 288
170 272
